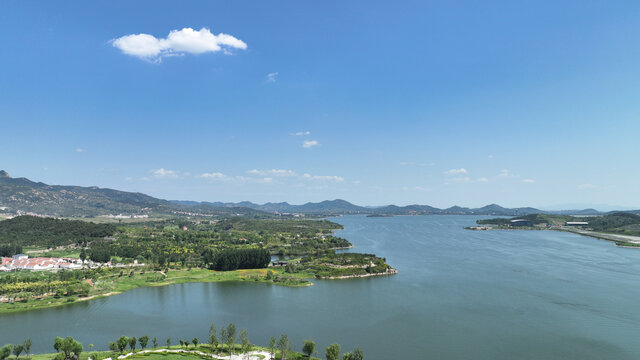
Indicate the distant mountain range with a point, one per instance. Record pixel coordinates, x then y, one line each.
21 194
24 195
344 207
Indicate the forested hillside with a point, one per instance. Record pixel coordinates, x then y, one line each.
51 232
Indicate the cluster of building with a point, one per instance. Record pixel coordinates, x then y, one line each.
23 262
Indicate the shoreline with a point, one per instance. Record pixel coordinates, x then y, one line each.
390 271
621 241
241 275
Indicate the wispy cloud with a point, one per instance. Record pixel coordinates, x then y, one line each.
163 173
307 144
528 181
328 178
482 179
456 171
272 172
213 176
272 77
506 173
79 150
177 43
301 133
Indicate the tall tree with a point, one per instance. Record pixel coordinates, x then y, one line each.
27 347
70 348
231 341
122 343
195 343
168 342
284 345
144 340
272 346
224 336
17 350
213 337
332 352
83 256
155 342
309 347
132 343
246 344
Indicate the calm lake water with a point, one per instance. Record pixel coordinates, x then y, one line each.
459 294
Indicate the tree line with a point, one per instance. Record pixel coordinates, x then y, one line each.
226 341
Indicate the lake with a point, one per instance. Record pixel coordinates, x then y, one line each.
459 294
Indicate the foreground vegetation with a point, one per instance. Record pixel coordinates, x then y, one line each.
218 344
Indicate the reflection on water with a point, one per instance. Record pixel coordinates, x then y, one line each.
459 295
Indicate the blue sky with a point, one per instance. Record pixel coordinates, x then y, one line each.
519 103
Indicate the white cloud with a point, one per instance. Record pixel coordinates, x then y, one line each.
456 171
506 173
272 77
164 174
587 186
178 42
482 179
79 150
328 178
528 181
307 144
272 172
301 133
213 176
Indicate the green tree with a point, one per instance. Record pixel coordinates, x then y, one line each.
155 342
224 336
69 348
181 343
272 346
231 340
132 343
213 337
195 343
357 354
309 347
5 352
168 342
17 350
27 347
332 352
284 345
83 255
122 343
113 346
144 340
244 338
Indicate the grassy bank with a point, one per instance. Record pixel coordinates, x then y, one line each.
115 282
291 355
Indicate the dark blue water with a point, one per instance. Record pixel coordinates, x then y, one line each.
459 294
